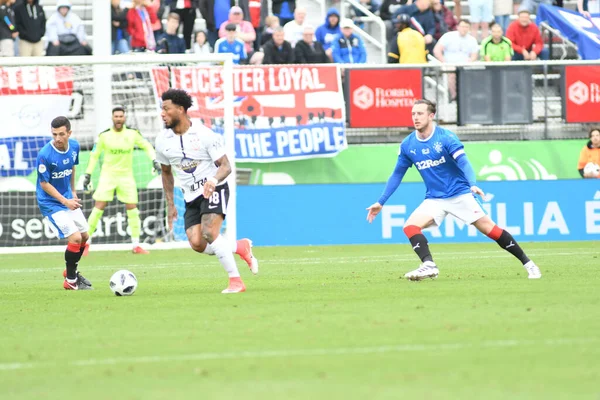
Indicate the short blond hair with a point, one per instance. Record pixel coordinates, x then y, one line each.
271 20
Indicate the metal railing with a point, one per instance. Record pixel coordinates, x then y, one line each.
381 43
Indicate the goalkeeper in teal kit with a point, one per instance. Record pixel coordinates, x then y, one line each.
116 175
451 188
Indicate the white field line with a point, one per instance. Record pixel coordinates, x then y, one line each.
246 354
323 260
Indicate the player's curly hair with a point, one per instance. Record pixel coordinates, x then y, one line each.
431 106
179 97
61 121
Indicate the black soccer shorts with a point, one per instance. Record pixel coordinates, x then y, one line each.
216 204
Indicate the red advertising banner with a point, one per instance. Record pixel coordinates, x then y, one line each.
382 98
36 80
582 88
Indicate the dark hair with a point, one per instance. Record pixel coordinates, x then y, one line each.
466 21
60 122
118 108
179 97
493 24
231 27
431 107
592 130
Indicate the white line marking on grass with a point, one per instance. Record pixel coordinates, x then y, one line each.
405 348
321 260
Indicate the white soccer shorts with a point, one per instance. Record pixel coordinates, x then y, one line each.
64 223
464 207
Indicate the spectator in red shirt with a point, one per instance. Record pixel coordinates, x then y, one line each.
139 26
526 39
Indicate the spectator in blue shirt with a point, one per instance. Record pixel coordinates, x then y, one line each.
169 42
347 47
330 29
231 44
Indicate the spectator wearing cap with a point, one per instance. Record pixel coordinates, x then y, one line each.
409 46
445 21
120 36
8 30
347 47
293 30
386 12
496 47
139 26
422 19
169 42
526 39
30 21
309 51
231 43
278 50
187 16
284 10
65 32
245 30
456 47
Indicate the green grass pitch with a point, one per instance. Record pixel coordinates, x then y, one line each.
317 323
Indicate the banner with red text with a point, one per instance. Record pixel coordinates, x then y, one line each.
282 113
30 97
383 98
582 88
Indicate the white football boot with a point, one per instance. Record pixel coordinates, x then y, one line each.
533 270
426 270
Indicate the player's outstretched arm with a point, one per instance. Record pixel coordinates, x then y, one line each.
168 184
391 186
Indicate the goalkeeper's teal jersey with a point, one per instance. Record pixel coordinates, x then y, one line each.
118 151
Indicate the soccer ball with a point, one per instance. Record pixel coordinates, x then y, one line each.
591 168
123 283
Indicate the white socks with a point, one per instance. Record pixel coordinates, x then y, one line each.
209 250
222 249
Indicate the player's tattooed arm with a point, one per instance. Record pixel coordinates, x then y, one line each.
168 184
224 168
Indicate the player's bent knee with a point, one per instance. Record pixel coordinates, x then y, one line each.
75 238
85 237
198 246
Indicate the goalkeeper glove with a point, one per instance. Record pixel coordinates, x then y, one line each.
87 178
157 167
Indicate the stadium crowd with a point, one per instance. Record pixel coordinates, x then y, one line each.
414 29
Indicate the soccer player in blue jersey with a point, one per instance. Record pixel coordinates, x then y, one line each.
58 200
451 188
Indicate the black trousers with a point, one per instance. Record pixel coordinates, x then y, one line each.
187 17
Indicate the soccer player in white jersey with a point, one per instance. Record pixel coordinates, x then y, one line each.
58 201
450 181
198 156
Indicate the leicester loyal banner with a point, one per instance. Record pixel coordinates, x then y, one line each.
30 97
578 29
282 113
